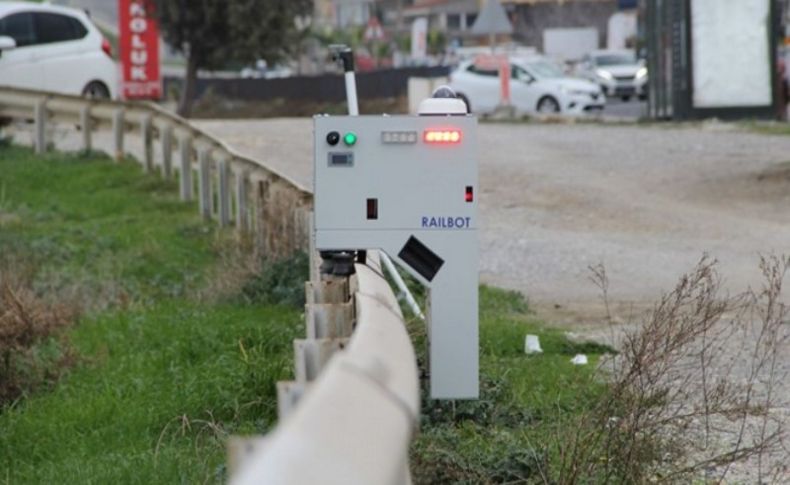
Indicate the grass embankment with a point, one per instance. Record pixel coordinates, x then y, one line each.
159 377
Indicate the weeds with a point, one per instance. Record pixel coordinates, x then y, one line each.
242 276
32 349
682 402
690 394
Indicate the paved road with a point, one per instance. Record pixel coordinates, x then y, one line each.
645 201
632 109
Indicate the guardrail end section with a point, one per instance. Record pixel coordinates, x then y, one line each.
312 355
241 449
330 320
288 395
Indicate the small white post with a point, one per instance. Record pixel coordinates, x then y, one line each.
242 221
146 131
204 182
40 116
167 151
117 130
314 256
224 192
185 175
87 127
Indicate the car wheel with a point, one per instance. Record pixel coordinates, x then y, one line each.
96 90
466 102
547 104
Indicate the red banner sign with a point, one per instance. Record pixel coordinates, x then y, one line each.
139 46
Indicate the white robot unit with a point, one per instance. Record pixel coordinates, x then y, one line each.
407 185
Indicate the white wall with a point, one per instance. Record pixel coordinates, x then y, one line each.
730 53
569 44
621 27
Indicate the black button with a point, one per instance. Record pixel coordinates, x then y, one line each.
332 138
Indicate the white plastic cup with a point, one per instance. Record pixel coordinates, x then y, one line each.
532 345
579 359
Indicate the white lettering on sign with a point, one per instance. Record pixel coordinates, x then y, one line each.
138 74
137 42
139 57
136 10
446 222
138 25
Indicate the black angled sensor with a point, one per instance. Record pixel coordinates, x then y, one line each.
332 138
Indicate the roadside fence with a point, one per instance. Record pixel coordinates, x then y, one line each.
352 409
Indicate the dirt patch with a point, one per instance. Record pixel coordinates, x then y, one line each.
7 219
779 174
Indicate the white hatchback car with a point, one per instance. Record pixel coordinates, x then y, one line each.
55 49
618 73
536 86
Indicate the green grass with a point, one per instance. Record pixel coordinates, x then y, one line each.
509 434
766 127
161 379
88 216
156 397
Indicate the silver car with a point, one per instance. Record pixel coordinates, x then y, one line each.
618 73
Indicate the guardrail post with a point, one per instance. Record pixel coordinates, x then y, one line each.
40 116
185 174
312 355
300 229
224 192
87 127
147 132
204 182
167 150
288 394
262 221
117 131
242 224
329 320
315 259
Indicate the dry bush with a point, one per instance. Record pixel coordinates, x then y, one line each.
27 323
237 264
243 275
692 392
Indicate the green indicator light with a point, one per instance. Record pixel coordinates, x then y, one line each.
350 139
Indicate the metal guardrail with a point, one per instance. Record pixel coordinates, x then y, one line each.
354 424
231 188
356 380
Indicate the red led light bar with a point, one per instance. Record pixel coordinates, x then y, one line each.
442 136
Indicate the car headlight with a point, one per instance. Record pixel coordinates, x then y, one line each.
642 72
604 74
577 92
